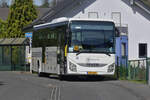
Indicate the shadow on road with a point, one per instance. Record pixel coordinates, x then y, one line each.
89 79
1 83
83 78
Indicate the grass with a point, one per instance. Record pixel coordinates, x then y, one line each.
135 81
138 81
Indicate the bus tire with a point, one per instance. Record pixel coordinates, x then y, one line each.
40 74
32 72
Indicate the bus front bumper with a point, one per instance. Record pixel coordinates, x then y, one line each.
96 73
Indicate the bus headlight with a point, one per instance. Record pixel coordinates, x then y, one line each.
72 67
111 68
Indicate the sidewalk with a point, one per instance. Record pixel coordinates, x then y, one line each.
140 90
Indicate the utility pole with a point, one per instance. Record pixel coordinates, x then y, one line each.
148 62
148 70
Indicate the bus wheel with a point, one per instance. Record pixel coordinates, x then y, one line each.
40 74
43 74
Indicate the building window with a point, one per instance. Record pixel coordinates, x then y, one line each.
93 15
123 49
142 50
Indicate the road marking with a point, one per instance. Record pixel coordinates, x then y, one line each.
53 88
59 94
50 85
52 93
55 94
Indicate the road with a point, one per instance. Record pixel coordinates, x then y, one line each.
26 86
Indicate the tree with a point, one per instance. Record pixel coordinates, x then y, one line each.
2 28
22 13
45 4
53 3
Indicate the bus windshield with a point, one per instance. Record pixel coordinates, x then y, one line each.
92 36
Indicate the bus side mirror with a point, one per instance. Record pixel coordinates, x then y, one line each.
117 33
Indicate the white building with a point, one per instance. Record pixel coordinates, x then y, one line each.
132 14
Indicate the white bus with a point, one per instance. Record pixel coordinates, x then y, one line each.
69 46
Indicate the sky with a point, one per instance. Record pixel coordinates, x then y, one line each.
36 2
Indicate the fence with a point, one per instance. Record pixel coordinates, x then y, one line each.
12 58
135 70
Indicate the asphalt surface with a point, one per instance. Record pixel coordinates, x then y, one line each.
26 86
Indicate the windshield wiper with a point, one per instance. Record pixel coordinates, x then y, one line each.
81 51
85 51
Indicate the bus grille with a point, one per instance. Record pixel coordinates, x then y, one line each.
92 64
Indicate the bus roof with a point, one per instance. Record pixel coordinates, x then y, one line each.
55 22
89 19
64 21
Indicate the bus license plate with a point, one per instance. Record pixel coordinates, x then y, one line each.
93 73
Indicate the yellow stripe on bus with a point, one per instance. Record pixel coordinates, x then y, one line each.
29 58
66 50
